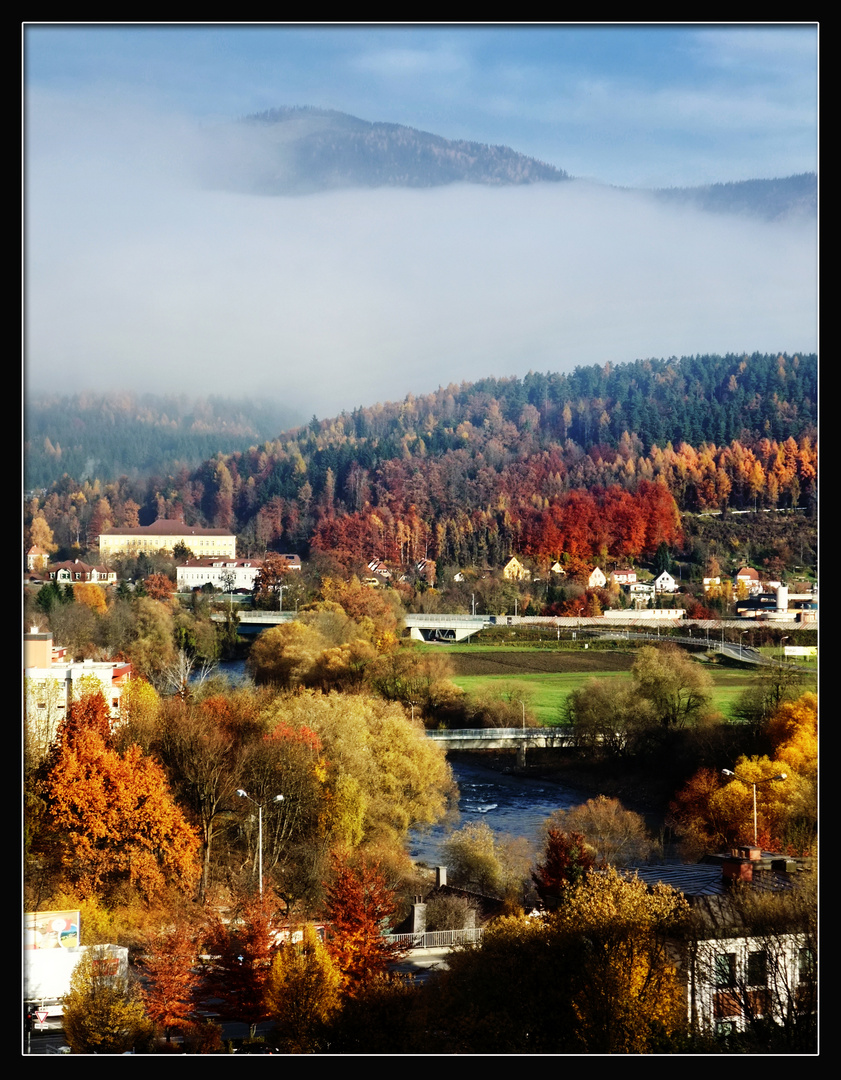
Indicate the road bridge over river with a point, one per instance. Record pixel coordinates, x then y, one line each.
519 739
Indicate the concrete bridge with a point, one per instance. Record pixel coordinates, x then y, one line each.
518 739
448 627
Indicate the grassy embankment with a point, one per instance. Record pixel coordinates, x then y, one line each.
544 679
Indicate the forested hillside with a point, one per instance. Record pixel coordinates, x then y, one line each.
104 436
575 463
292 151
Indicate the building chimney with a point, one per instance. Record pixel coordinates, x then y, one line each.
735 869
440 876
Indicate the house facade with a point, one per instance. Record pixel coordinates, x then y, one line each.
51 684
596 580
515 571
164 535
734 977
75 572
665 583
226 575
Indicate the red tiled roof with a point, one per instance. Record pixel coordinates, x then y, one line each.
167 528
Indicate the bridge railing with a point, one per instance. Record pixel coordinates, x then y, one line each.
437 939
538 734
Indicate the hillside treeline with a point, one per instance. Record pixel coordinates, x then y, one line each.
481 471
105 436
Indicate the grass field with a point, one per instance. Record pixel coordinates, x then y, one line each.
546 679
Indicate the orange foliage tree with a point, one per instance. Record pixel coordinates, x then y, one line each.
243 951
172 980
111 816
714 813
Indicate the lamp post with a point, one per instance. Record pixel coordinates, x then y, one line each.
782 653
741 635
278 798
754 783
524 713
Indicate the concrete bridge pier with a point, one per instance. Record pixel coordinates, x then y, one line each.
521 756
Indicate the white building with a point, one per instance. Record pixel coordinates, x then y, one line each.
226 575
51 685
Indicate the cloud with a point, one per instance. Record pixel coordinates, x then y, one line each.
139 279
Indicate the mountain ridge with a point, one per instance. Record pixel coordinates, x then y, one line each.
301 150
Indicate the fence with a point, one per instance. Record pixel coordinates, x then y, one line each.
437 939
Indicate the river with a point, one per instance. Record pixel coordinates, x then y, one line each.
513 806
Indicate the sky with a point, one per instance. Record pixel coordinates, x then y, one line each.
139 276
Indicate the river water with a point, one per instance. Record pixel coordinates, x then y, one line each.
513 806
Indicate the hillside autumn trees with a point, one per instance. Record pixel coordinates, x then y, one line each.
469 475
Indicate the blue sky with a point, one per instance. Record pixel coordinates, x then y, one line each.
140 277
632 105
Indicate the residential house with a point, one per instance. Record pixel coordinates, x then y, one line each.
226 575
665 583
37 558
164 535
746 582
622 577
515 571
75 572
596 580
735 974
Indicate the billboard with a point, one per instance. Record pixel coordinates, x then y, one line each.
51 929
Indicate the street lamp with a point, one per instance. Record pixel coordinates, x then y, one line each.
278 798
782 653
754 783
741 635
524 713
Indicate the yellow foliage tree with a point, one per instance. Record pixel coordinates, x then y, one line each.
91 595
628 995
713 813
102 1013
303 993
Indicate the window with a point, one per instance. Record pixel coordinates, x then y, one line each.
806 964
725 969
757 969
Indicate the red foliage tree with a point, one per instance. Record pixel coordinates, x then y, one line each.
568 860
172 980
243 951
358 903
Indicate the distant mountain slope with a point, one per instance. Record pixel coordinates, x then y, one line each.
111 435
768 199
293 151
302 150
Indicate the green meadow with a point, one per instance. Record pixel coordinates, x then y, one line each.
544 680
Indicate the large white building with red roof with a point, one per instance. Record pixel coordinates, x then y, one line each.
164 535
